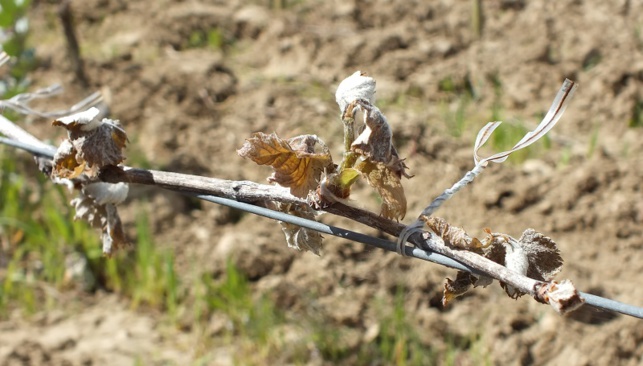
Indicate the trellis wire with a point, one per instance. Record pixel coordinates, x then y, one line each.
591 300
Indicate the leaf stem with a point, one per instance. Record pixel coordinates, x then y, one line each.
348 118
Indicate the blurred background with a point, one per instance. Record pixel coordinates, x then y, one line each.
208 285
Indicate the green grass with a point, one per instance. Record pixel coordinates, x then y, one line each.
13 17
398 342
637 115
456 121
213 38
509 133
36 236
40 239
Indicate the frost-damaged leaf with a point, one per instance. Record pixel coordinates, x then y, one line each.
453 236
388 185
543 255
533 255
456 237
65 164
298 237
96 204
452 289
354 87
296 162
97 143
515 260
375 142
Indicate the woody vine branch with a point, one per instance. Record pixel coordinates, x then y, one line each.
307 183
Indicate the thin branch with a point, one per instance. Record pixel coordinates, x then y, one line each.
428 247
73 50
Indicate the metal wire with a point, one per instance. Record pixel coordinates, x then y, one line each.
35 150
591 300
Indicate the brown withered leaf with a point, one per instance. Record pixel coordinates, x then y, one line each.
453 236
296 162
543 255
462 283
496 252
97 143
96 204
458 287
533 255
375 142
298 237
388 185
65 164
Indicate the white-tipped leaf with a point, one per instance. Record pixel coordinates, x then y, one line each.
104 193
86 118
354 87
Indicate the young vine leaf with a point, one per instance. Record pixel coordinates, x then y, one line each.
355 87
304 163
533 255
298 237
96 204
91 144
381 164
388 185
379 161
295 161
299 166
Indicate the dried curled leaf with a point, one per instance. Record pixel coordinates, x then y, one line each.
388 185
298 237
515 260
533 255
452 289
453 236
296 162
357 86
375 142
96 204
543 255
462 284
95 144
65 164
456 237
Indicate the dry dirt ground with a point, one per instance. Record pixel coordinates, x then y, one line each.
189 106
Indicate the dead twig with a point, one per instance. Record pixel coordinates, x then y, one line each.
73 50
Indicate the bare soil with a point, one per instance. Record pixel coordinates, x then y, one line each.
188 106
